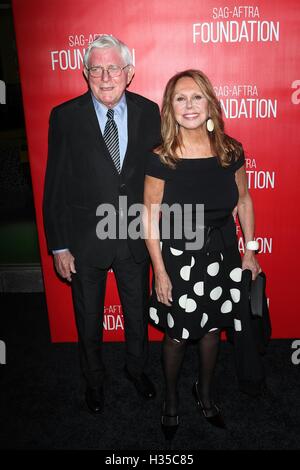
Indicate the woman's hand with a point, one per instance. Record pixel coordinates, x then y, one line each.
163 288
250 262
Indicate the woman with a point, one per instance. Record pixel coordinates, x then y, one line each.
196 291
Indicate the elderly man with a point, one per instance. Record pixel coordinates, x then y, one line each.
97 150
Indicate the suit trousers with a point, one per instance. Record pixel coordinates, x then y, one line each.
88 290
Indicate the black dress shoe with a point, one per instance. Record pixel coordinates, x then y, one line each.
169 424
212 414
94 399
143 385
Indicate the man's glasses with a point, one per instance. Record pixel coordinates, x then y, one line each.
112 70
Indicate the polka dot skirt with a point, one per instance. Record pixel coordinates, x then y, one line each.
206 292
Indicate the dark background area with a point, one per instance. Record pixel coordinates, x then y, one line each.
42 396
20 268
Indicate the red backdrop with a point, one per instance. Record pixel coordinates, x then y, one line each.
251 55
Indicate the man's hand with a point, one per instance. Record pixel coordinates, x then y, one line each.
64 264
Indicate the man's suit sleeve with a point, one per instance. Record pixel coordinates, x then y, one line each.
55 204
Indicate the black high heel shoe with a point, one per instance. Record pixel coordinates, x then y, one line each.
216 419
169 424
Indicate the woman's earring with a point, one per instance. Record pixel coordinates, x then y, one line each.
210 125
176 128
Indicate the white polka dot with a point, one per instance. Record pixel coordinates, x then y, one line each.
204 319
212 329
226 306
235 295
193 262
170 320
236 274
182 301
199 288
222 257
153 314
185 333
216 293
237 325
185 273
213 269
175 252
190 306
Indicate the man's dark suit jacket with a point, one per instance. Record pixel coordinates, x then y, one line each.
81 175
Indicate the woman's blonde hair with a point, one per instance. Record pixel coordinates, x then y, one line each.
224 147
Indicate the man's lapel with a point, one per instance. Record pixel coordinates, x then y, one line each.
90 119
133 117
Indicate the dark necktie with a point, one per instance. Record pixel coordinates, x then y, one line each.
112 140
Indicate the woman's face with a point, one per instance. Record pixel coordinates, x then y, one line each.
189 104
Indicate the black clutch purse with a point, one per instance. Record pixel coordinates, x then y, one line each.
259 311
250 342
255 309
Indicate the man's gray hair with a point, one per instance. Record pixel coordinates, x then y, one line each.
108 41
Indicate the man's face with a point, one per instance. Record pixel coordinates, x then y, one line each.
106 89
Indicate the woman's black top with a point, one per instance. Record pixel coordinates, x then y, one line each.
201 181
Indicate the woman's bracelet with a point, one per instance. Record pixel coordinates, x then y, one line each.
252 245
